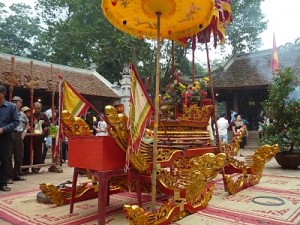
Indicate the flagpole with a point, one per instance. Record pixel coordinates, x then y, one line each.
59 135
55 153
31 113
52 95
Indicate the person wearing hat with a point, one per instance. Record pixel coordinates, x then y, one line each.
9 120
25 109
17 149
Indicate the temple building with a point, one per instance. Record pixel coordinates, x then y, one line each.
242 82
22 75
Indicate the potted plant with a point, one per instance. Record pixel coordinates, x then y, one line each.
283 106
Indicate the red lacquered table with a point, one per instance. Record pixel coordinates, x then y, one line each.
103 189
102 158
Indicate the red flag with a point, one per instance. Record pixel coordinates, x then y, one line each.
274 60
74 102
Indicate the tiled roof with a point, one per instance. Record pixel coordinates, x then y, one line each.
86 82
254 69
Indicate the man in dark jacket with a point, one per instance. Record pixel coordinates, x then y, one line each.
18 135
9 120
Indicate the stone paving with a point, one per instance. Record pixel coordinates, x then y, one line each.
33 180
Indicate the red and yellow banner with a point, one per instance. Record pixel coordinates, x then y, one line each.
274 60
141 109
73 101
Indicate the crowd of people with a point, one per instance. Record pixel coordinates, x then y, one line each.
15 149
236 123
14 142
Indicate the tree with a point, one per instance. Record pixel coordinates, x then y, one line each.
19 30
243 33
285 112
79 35
75 33
2 11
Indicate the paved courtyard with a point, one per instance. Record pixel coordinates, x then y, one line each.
33 180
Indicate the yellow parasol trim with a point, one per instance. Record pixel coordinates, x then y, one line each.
179 18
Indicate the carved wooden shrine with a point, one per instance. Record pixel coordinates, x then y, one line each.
187 160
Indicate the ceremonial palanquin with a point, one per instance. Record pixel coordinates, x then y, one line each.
177 149
187 159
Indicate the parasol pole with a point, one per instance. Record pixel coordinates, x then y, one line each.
214 110
155 127
193 58
173 64
212 97
193 67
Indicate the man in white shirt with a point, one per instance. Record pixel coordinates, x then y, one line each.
222 128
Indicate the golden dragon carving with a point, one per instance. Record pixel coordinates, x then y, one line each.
250 170
197 113
58 194
190 175
74 126
118 130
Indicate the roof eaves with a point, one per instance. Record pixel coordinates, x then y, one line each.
106 82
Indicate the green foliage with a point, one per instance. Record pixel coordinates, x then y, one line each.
248 23
75 33
52 130
276 138
19 30
285 112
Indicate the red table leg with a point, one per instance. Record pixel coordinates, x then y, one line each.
102 196
74 184
103 189
135 176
